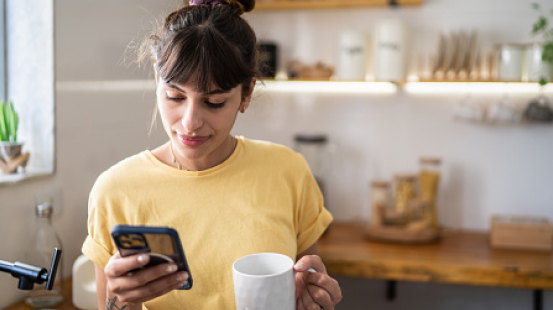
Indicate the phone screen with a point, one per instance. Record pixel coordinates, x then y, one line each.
162 247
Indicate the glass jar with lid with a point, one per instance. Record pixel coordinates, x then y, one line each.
314 147
405 193
429 178
380 201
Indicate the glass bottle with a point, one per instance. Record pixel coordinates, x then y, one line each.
405 193
39 253
429 178
380 200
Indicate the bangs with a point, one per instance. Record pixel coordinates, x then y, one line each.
201 55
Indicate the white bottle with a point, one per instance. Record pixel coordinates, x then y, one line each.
352 55
84 284
390 51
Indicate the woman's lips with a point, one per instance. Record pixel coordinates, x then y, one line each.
192 141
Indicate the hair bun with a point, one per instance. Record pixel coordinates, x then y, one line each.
242 5
248 5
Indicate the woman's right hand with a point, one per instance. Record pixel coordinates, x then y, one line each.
124 286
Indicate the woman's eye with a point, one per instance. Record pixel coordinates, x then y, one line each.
174 97
215 105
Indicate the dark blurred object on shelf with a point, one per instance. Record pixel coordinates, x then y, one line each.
539 110
268 59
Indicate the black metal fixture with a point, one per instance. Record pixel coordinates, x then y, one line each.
28 275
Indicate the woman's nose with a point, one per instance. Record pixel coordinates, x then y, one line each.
192 118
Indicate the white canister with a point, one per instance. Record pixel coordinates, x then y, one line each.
509 62
534 67
352 55
390 50
84 284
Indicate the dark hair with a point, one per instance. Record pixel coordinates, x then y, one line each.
210 44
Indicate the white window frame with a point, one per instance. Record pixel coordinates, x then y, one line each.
27 65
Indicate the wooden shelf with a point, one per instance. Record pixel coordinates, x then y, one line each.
326 4
459 257
441 87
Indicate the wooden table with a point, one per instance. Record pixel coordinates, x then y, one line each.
67 303
459 257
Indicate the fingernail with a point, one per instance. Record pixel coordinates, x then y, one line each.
183 276
171 268
143 258
299 266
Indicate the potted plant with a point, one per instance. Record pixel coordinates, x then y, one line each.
539 109
10 148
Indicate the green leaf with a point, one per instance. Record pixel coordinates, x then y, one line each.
13 119
3 127
543 81
547 52
540 25
8 111
15 125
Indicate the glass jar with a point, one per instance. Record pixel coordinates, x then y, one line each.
39 253
429 178
315 150
380 201
405 192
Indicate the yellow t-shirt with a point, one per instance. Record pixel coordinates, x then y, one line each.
263 198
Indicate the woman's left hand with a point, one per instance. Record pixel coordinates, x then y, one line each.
315 290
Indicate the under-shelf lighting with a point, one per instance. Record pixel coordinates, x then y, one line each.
325 87
476 88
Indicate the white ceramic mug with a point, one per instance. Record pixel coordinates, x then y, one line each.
264 281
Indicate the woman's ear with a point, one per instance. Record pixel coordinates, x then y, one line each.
247 96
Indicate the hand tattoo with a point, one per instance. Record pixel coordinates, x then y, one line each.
110 304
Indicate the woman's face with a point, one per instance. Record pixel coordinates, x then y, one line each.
199 124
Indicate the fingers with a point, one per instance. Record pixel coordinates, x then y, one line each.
321 297
153 289
315 289
306 302
118 266
141 284
310 261
323 288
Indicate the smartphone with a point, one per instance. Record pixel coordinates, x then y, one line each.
162 243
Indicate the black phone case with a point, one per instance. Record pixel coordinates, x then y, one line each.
162 243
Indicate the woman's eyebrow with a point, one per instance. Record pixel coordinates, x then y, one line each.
213 92
217 91
175 87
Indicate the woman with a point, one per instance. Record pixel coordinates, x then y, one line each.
226 196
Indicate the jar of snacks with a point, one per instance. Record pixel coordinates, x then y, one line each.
429 178
405 192
380 200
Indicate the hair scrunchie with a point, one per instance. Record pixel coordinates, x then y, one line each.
206 2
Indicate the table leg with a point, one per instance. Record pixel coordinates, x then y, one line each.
538 299
391 290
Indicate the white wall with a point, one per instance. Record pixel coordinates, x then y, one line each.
486 169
